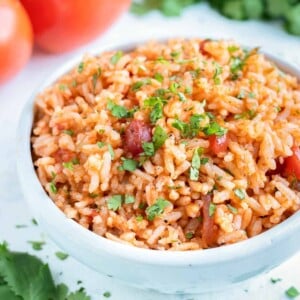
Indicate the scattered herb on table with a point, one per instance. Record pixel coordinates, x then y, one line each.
61 255
292 292
106 294
37 245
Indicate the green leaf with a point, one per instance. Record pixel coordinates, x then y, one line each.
7 294
114 202
239 193
61 255
148 148
158 77
27 276
137 85
69 132
111 151
79 295
211 209
214 129
116 57
106 294
156 104
159 137
80 67
101 144
275 280
96 76
156 209
292 292
37 245
218 72
128 165
139 218
68 165
61 292
182 97
129 199
34 221
117 111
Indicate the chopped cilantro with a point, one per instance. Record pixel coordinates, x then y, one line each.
117 111
61 255
68 165
142 205
148 148
159 137
80 67
101 144
129 199
195 165
156 209
239 193
111 151
20 226
241 95
53 187
96 76
218 72
211 209
156 104
189 235
69 132
106 294
232 49
204 160
249 114
137 85
292 292
175 54
232 209
278 109
182 97
251 95
101 131
158 77
116 57
93 195
195 73
236 66
214 129
173 87
34 222
74 83
275 280
62 87
162 60
139 218
37 245
128 164
114 202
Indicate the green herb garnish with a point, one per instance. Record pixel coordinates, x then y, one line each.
275 280
211 209
292 292
148 148
159 137
114 202
111 151
101 144
189 235
156 105
117 111
53 187
156 209
106 294
68 165
195 166
116 57
37 245
128 164
96 76
158 77
232 209
139 218
69 132
80 67
218 72
214 129
129 199
34 222
239 193
61 255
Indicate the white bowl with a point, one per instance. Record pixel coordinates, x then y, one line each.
163 271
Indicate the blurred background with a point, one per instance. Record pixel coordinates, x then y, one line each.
38 36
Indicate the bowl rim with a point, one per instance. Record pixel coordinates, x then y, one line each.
40 198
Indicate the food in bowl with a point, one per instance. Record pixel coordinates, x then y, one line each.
183 145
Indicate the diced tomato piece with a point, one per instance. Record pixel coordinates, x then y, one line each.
292 163
209 229
136 133
63 155
202 47
218 143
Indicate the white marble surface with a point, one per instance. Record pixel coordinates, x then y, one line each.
198 20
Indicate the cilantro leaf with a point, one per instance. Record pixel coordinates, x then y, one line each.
239 193
117 111
116 57
128 164
61 255
214 129
159 137
137 85
129 199
212 209
80 67
156 209
156 104
37 245
292 292
148 148
158 77
69 132
79 295
218 72
114 202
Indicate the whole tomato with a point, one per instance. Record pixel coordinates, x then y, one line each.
62 25
16 38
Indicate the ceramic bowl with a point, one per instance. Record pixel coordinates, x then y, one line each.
163 271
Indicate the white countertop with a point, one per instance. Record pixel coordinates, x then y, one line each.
197 20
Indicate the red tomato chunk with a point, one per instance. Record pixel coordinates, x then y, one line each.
218 143
292 163
136 133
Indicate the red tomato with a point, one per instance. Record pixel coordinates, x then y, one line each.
202 47
218 143
16 38
292 163
62 25
136 133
